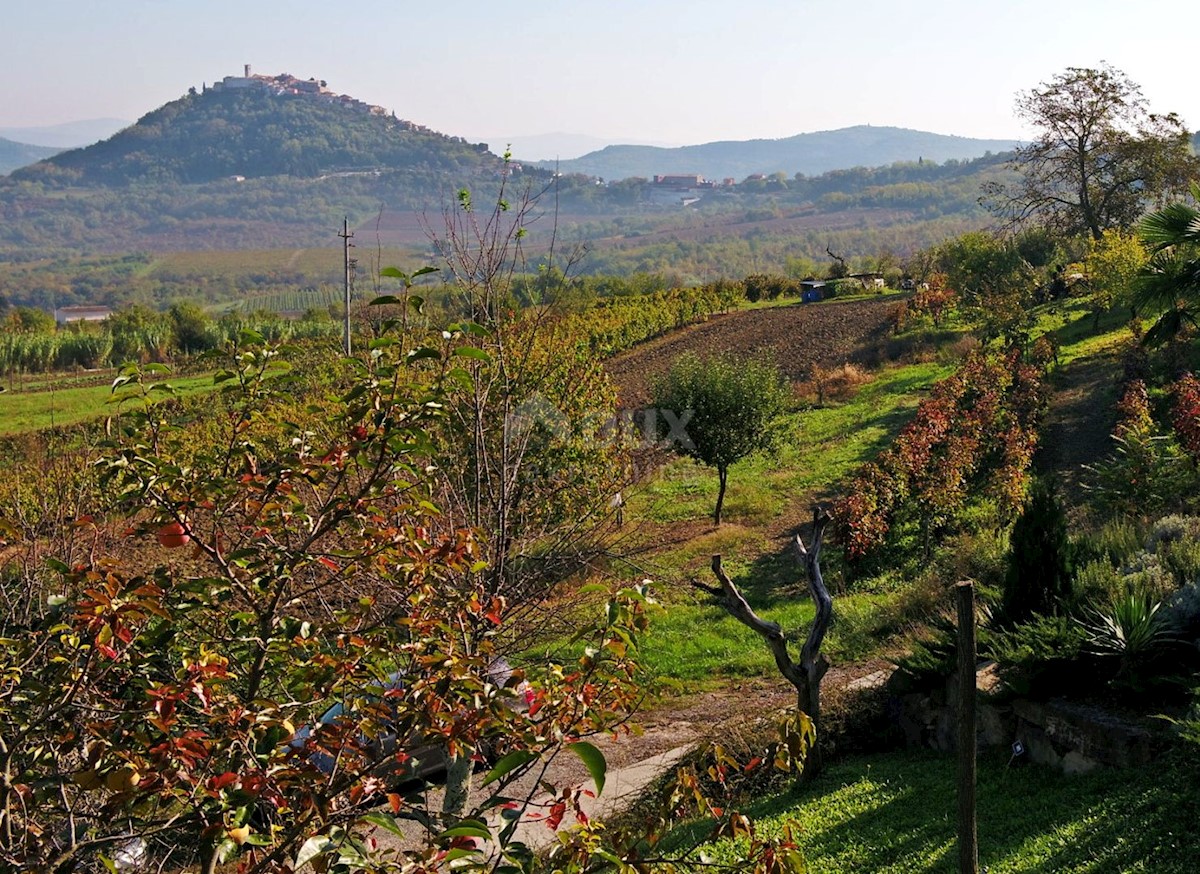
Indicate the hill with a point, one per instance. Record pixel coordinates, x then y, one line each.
14 155
273 126
809 154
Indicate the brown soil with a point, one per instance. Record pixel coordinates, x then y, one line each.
798 336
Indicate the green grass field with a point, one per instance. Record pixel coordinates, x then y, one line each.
895 813
50 408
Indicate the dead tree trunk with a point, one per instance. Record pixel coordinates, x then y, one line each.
806 674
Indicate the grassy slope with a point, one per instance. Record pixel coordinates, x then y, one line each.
31 411
768 497
895 813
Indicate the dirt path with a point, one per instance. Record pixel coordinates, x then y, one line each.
666 731
1079 422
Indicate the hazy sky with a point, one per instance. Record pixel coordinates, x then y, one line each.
680 71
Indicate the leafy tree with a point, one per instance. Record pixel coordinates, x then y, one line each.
994 281
194 330
158 699
28 320
1170 282
1111 266
1100 156
721 410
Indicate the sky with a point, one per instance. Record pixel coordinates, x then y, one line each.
665 71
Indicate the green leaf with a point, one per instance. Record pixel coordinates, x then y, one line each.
386 300
423 352
472 352
422 271
384 821
226 850
394 273
460 853
468 828
509 763
593 760
312 848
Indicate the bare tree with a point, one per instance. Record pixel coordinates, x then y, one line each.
806 674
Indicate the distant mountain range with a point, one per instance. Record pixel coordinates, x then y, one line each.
68 135
14 155
809 153
560 146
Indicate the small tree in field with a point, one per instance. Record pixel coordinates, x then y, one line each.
721 410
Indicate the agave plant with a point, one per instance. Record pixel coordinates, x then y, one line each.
1133 627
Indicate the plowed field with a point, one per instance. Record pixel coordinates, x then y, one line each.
798 336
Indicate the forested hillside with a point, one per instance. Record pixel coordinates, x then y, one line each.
206 136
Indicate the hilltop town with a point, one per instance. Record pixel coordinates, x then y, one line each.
285 84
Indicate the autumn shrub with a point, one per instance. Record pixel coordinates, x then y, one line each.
1185 415
838 384
976 432
934 301
1147 472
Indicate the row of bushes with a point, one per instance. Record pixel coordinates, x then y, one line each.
977 430
144 336
615 324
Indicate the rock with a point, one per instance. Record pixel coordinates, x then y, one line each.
995 725
870 682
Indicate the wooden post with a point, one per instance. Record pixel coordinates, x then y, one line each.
968 850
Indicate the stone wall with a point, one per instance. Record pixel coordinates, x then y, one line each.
1063 734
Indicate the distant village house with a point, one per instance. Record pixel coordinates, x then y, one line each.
66 315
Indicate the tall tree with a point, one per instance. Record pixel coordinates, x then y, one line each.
1100 157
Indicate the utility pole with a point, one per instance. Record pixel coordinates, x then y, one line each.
349 264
